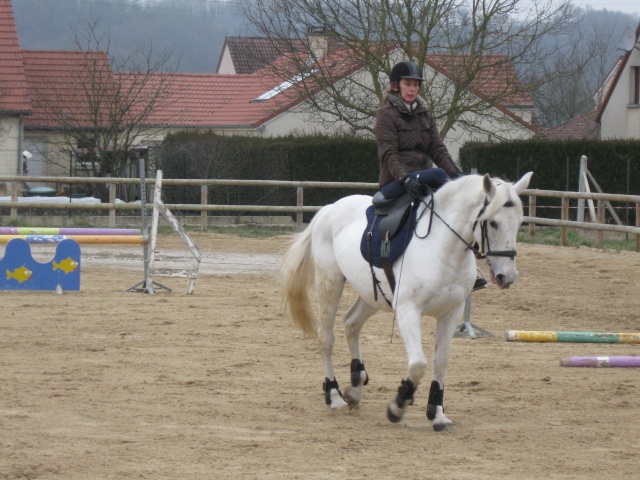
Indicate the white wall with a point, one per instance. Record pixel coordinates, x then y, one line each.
9 136
620 119
226 64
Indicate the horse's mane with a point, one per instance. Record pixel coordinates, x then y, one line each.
451 189
474 183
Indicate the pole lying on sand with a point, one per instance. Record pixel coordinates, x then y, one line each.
594 362
570 337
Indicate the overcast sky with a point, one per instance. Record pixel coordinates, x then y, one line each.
626 6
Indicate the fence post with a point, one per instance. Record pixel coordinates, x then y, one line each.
299 203
600 233
564 237
112 201
204 200
13 188
638 225
532 213
581 187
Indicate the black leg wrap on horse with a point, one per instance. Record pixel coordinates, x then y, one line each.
327 385
405 392
436 398
356 367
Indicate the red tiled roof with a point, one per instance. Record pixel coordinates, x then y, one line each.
57 80
210 100
13 84
250 53
497 76
578 128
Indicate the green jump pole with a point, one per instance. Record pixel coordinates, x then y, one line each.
570 337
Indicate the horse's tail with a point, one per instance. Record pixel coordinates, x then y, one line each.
297 275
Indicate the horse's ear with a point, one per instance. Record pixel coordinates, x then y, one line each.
523 183
489 187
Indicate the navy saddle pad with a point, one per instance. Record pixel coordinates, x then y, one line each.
399 241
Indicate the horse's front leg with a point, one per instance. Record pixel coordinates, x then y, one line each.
409 323
329 293
354 320
445 329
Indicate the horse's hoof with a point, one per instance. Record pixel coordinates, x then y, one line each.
394 414
443 427
352 398
338 403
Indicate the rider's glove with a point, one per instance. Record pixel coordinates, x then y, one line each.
413 188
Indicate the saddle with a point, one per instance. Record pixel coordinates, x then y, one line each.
394 211
389 230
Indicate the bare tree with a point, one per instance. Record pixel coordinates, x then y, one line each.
577 92
471 41
108 105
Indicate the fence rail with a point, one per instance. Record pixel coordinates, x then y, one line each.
600 226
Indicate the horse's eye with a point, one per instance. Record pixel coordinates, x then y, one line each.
493 224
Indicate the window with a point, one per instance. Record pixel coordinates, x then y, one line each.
283 86
634 90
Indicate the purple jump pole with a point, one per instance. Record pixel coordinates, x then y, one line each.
621 361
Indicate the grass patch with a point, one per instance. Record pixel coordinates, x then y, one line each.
246 231
549 236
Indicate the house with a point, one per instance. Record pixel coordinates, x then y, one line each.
512 119
619 113
247 99
15 105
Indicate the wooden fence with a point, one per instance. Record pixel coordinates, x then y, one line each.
600 226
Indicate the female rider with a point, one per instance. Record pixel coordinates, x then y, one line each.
407 138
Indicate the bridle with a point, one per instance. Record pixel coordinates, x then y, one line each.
484 251
485 247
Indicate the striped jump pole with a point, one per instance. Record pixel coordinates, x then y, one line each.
570 337
597 362
67 231
80 239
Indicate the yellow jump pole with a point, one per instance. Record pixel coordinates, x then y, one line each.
80 239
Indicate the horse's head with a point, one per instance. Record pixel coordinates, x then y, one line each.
499 222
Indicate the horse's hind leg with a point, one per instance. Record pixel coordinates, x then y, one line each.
354 320
329 292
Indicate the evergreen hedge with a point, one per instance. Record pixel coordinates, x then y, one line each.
309 158
615 164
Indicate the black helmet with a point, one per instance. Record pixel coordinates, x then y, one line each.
405 70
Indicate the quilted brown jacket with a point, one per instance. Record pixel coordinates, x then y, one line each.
408 139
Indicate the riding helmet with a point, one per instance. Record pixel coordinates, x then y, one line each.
405 70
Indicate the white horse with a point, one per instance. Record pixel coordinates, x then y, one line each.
434 278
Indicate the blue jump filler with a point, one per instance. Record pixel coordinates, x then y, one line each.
19 270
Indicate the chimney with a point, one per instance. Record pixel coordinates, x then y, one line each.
319 40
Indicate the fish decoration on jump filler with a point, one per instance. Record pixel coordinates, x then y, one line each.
20 274
23 272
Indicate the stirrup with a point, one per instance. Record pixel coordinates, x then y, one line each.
480 283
